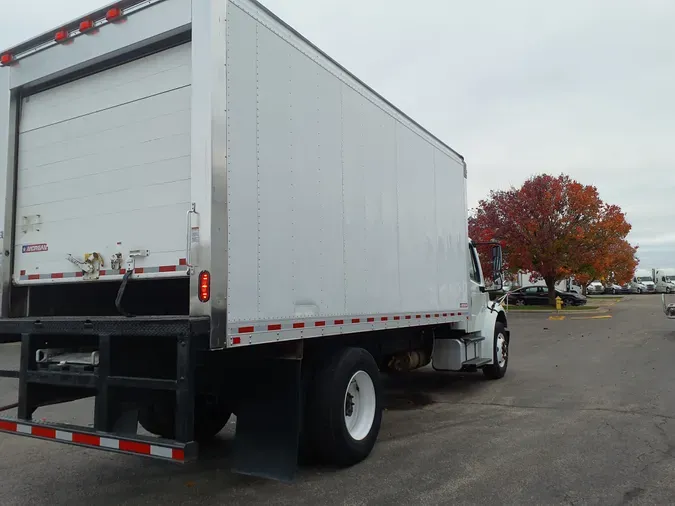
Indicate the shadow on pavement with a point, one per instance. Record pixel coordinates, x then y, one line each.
416 389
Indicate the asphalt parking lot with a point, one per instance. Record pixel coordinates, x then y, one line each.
585 415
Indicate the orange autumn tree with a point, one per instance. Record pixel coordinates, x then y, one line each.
555 227
608 256
622 264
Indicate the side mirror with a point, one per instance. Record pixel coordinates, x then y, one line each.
497 259
497 264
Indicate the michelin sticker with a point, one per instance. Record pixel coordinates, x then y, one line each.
34 248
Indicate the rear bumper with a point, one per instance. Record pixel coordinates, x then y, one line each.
171 451
121 380
152 326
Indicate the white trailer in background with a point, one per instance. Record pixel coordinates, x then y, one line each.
207 215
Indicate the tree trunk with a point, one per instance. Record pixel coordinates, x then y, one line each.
550 284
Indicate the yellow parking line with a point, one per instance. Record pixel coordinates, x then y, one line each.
556 317
601 317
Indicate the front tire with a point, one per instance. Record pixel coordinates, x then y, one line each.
500 354
344 408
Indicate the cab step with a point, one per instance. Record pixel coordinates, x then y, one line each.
476 362
473 338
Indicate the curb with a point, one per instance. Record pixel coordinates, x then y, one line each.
603 308
562 311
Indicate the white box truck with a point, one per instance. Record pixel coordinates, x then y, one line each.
205 216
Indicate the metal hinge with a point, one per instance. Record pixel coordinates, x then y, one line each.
133 254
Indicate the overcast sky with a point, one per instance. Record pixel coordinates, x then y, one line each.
520 87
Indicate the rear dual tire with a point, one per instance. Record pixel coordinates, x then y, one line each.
344 408
160 419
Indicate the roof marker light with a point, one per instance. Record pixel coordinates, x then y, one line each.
85 25
6 59
113 14
61 35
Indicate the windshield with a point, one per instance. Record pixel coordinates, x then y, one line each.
645 278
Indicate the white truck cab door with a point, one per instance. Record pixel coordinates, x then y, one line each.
478 299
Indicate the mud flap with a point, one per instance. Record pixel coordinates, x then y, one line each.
269 414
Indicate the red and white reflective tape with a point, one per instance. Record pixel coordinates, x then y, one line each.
182 266
248 330
94 441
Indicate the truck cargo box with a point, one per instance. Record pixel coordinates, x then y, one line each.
237 158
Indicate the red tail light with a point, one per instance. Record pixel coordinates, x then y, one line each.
6 59
204 286
113 14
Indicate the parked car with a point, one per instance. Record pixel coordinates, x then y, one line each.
613 288
595 288
538 295
627 288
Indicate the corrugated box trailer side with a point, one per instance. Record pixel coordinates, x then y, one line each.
200 178
341 211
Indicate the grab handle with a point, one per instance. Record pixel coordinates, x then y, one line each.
188 260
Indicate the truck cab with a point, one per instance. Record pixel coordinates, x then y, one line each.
643 282
664 280
479 285
570 285
595 287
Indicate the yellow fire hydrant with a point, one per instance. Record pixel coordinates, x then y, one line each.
558 303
